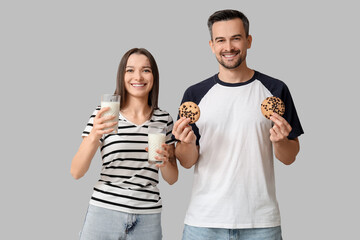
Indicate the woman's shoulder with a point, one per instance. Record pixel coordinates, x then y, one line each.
160 113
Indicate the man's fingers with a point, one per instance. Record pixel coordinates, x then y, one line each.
185 133
182 123
281 123
177 123
189 137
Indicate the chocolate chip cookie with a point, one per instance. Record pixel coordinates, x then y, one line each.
271 105
190 110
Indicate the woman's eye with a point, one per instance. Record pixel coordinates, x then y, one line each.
129 70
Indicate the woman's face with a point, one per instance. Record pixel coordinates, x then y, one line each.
138 77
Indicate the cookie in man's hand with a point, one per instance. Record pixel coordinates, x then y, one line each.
190 110
271 105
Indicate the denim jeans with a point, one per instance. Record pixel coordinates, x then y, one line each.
199 233
106 224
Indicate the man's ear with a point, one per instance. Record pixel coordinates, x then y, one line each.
211 43
249 41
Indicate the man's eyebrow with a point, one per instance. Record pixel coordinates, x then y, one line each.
236 35
217 38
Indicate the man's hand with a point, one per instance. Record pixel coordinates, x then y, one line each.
186 150
285 149
281 129
183 131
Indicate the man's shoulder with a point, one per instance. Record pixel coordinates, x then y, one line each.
209 82
268 80
197 91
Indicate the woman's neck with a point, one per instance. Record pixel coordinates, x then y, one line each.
136 110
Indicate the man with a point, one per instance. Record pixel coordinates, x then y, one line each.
232 144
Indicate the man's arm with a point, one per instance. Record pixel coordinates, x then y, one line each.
188 154
186 150
285 149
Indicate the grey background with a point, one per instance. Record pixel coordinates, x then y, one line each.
58 57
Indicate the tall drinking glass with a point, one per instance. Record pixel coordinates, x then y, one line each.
156 137
112 101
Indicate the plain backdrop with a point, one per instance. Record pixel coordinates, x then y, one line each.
58 57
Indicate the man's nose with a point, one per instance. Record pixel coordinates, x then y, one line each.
229 46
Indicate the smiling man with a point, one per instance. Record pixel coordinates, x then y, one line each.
232 144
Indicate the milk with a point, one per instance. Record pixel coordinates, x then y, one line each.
155 141
114 111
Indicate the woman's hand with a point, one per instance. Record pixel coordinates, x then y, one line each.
164 155
168 167
100 124
88 147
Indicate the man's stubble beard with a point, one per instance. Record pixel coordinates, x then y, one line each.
231 66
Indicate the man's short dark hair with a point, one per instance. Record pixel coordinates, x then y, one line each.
225 15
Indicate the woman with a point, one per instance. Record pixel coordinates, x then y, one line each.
126 202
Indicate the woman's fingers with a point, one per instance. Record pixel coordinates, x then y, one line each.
101 111
163 155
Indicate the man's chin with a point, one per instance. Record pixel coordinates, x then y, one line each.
230 66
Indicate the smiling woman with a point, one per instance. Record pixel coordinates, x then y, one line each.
129 67
126 199
138 77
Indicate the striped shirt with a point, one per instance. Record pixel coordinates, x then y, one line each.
128 183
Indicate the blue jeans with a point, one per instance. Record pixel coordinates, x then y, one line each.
199 233
106 224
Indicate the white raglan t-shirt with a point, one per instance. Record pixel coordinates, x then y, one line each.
234 183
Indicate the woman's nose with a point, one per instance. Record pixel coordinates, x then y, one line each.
138 75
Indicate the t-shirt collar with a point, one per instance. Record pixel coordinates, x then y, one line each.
217 80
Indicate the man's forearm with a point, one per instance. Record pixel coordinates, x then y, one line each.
187 154
287 150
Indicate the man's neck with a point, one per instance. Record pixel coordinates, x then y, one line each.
237 75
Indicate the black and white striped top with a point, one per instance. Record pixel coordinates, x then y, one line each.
128 183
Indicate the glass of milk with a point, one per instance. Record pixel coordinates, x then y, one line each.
112 101
156 137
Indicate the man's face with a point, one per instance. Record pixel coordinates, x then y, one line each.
229 43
